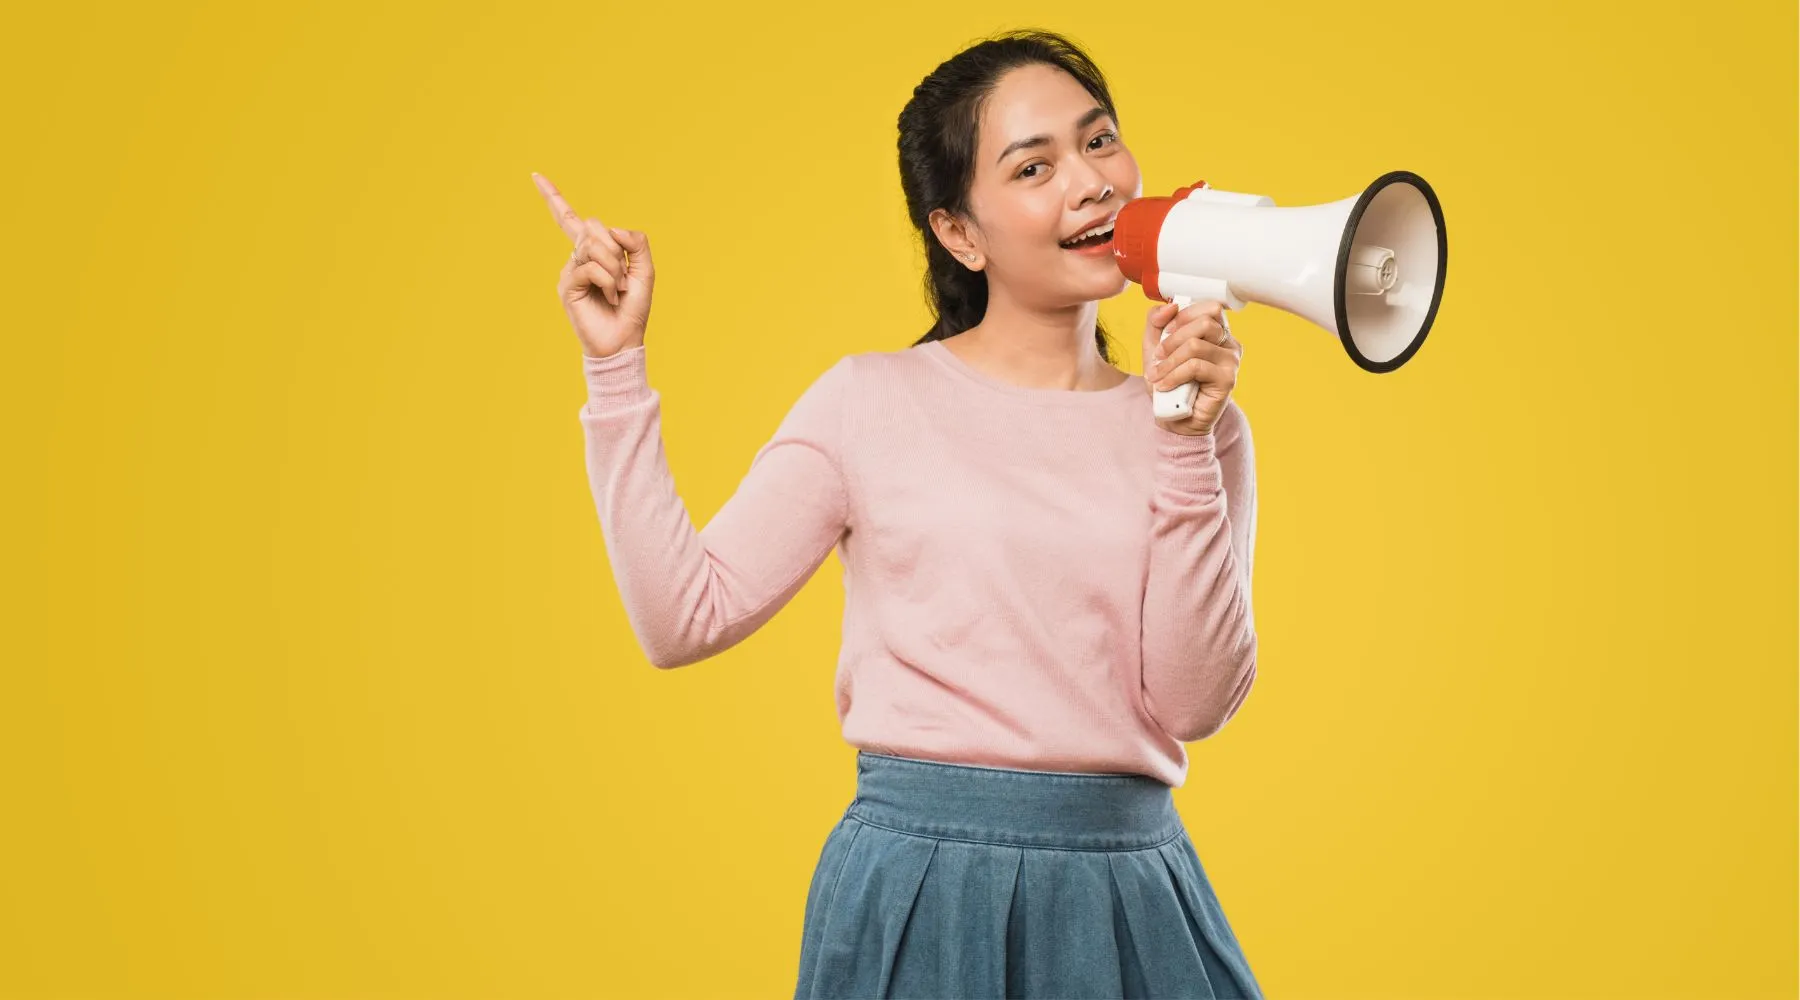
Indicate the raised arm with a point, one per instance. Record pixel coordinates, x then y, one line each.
1199 635
690 594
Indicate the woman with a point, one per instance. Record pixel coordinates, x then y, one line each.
1047 589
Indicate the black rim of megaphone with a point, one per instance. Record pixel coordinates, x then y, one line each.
1343 266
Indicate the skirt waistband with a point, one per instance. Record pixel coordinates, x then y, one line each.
1054 809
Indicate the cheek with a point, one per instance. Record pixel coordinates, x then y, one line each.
1045 226
1030 238
1126 179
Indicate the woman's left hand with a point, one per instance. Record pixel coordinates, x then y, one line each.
1198 349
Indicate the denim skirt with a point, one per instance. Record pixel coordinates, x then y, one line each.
955 880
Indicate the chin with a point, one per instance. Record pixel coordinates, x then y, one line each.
1101 290
1104 283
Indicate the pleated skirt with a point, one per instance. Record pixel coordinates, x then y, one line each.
959 881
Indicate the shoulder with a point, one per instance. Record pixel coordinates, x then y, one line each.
887 364
871 368
853 376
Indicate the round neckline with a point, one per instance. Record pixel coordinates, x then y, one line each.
1078 397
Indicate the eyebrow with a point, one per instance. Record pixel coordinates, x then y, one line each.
1093 115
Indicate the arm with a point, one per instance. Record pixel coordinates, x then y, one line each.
688 594
1199 635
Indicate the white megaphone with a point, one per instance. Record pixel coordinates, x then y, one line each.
1369 268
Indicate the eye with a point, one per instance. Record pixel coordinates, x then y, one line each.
1104 135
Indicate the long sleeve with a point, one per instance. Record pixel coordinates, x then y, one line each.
1199 633
691 594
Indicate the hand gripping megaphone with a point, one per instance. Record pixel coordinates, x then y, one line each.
1369 268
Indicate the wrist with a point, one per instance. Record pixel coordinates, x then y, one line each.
616 378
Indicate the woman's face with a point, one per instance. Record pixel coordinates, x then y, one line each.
1030 198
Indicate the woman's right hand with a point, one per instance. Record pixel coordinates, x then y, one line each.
607 282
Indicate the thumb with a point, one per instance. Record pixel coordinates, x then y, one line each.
1160 316
637 245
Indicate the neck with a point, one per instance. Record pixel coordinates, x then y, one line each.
1037 347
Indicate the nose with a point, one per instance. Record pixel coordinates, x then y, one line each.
1106 190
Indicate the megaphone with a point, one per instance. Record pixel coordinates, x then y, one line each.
1369 268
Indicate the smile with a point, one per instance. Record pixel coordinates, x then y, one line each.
1092 239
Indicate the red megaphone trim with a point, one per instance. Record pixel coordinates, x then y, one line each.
1136 230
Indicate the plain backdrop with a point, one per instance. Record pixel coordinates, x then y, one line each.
318 685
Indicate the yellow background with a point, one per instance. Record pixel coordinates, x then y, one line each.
319 686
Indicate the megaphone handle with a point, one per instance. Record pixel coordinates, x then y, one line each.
1179 401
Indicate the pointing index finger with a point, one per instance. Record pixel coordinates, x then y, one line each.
565 216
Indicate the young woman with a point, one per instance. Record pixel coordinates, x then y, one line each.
1047 589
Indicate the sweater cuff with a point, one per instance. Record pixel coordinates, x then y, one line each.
1188 462
615 379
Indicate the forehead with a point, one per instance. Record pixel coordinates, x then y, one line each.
1030 100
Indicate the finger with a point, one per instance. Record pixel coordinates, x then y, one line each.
1178 348
1204 307
565 216
570 285
1189 349
600 246
1166 318
1192 370
594 273
1208 323
592 252
601 233
1200 326
637 247
1158 317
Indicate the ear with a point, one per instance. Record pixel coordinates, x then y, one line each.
951 235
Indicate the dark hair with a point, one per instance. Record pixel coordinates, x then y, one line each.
938 134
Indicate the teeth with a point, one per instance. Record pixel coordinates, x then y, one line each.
1105 227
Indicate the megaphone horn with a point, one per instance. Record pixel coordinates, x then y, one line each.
1369 268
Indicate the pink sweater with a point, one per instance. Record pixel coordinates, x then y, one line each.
1034 578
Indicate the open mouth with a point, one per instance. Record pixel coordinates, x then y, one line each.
1098 236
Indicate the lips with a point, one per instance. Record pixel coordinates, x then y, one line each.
1092 246
1090 243
1104 223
